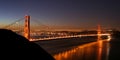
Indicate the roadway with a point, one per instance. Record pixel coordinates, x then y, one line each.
70 36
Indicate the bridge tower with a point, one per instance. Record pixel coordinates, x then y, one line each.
99 32
27 27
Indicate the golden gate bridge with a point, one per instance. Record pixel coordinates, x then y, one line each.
29 31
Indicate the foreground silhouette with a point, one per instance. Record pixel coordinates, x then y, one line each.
14 46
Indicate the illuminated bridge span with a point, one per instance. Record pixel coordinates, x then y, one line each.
29 31
60 37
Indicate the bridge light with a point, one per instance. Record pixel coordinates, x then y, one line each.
109 38
16 22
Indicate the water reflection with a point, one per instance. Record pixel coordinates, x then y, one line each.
92 51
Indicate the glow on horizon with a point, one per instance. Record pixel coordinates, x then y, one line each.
80 14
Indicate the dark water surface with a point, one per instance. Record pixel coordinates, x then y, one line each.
91 51
74 49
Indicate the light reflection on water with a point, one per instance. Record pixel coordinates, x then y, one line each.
92 51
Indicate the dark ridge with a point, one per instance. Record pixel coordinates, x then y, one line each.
14 46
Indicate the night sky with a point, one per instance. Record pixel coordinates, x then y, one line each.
66 14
